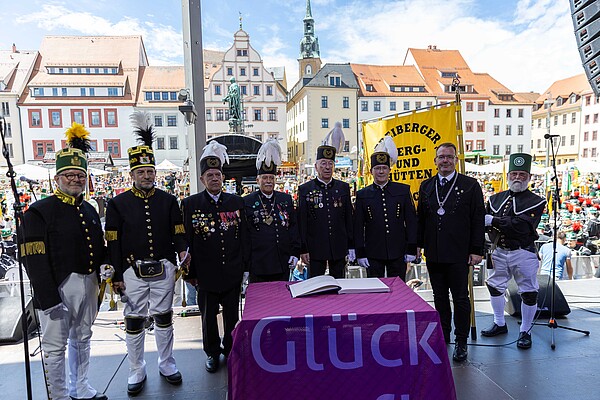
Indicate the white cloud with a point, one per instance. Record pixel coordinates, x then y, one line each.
163 43
528 53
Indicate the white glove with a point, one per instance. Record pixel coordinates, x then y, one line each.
351 255
363 262
245 277
488 219
106 272
292 262
408 258
56 312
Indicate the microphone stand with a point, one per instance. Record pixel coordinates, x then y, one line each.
552 324
18 208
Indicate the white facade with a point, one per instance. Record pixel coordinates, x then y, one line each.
263 98
507 128
589 143
15 70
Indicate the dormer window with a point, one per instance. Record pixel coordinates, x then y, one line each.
573 99
448 74
559 101
335 80
370 88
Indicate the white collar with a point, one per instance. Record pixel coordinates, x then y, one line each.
215 197
268 196
448 178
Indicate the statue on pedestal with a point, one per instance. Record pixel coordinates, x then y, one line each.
235 105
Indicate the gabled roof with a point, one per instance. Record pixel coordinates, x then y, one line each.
15 67
384 77
321 78
433 62
564 89
128 52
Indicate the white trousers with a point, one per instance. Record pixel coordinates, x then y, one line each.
154 297
79 294
521 264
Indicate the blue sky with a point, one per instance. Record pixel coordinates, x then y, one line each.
525 44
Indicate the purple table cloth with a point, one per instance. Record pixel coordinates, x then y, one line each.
379 346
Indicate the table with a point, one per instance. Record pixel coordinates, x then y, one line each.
379 346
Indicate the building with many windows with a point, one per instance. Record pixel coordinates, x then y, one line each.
388 90
589 143
559 112
322 96
16 67
90 80
496 121
263 92
159 88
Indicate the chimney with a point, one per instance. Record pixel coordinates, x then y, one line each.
14 48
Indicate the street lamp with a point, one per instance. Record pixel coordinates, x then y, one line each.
187 108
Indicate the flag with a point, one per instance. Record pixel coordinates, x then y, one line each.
417 137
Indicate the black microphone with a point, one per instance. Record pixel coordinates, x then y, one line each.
30 181
548 136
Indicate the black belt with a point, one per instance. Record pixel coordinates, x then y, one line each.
531 248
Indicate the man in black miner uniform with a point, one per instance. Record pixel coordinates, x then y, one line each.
216 231
272 222
325 219
512 218
63 249
451 231
385 221
144 231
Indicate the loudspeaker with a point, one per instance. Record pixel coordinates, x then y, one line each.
561 307
10 318
586 22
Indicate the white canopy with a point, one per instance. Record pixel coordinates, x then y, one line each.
30 171
501 167
167 165
97 171
584 166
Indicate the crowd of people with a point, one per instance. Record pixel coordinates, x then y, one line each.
144 231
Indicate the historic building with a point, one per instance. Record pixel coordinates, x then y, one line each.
496 120
324 95
90 80
263 92
16 67
559 112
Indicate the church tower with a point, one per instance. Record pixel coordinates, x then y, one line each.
310 57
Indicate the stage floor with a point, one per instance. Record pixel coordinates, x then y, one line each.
491 373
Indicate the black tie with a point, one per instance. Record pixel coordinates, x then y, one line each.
444 181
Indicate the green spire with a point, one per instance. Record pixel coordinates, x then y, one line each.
309 45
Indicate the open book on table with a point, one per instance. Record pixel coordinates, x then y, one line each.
326 283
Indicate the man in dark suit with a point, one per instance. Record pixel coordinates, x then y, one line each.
451 231
385 222
325 219
216 231
272 225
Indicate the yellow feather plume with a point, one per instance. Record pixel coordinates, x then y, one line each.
78 137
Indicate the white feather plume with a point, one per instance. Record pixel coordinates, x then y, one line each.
269 152
335 137
215 149
387 145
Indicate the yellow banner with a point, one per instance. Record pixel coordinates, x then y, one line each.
417 137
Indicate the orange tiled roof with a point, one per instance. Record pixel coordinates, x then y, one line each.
563 89
109 51
382 77
432 62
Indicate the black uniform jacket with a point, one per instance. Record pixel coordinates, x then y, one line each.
385 222
62 235
516 217
217 234
325 219
273 232
460 231
143 226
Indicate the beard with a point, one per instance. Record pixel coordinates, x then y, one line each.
518 186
